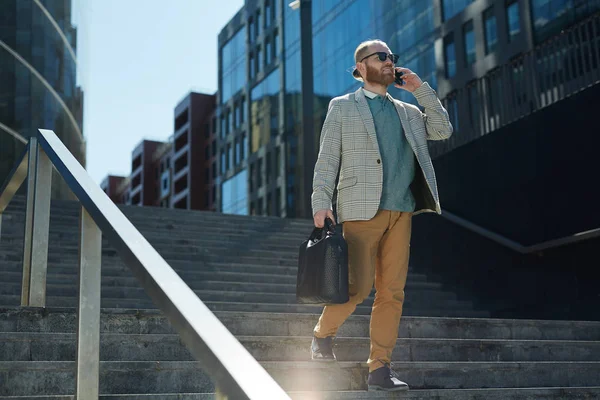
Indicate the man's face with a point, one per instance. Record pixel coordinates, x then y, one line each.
379 72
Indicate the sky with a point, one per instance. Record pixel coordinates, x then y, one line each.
136 60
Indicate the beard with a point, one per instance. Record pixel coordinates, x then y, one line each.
379 76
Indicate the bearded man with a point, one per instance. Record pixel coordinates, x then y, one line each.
379 147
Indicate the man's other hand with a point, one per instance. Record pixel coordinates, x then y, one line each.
320 216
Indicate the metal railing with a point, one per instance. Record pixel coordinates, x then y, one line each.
518 247
554 70
235 373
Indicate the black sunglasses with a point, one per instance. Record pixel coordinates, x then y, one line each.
383 56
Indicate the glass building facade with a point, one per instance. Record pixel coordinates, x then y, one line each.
452 7
234 66
513 20
38 81
235 194
264 110
299 58
407 27
551 16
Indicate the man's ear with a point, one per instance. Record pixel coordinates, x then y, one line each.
361 68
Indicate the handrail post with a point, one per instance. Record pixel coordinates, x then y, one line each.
88 309
37 226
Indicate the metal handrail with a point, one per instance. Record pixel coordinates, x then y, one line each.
236 374
518 247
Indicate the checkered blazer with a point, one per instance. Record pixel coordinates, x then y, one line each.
348 144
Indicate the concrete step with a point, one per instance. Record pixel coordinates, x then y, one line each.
20 346
156 239
152 232
191 279
222 301
555 393
18 206
115 267
179 252
27 378
7 255
277 294
212 224
129 321
246 306
196 271
212 290
11 283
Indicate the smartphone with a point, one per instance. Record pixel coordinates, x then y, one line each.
398 79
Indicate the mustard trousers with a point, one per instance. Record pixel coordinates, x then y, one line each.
378 252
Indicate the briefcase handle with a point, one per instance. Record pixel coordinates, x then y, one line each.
319 232
329 225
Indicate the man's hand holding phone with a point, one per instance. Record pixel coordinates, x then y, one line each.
411 81
320 216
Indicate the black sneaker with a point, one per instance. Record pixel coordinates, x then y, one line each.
385 379
322 349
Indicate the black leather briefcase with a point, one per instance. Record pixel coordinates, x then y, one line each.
323 267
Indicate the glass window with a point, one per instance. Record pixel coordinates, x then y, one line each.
268 168
276 46
214 170
233 65
469 42
259 173
513 20
236 119
222 133
230 126
238 152
450 56
234 196
267 52
244 145
252 67
452 7
264 110
258 24
491 32
206 153
258 59
550 17
214 148
242 109
223 166
268 15
229 156
292 29
251 31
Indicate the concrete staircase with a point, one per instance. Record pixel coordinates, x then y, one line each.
244 269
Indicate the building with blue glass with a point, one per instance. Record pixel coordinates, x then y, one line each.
280 64
38 88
